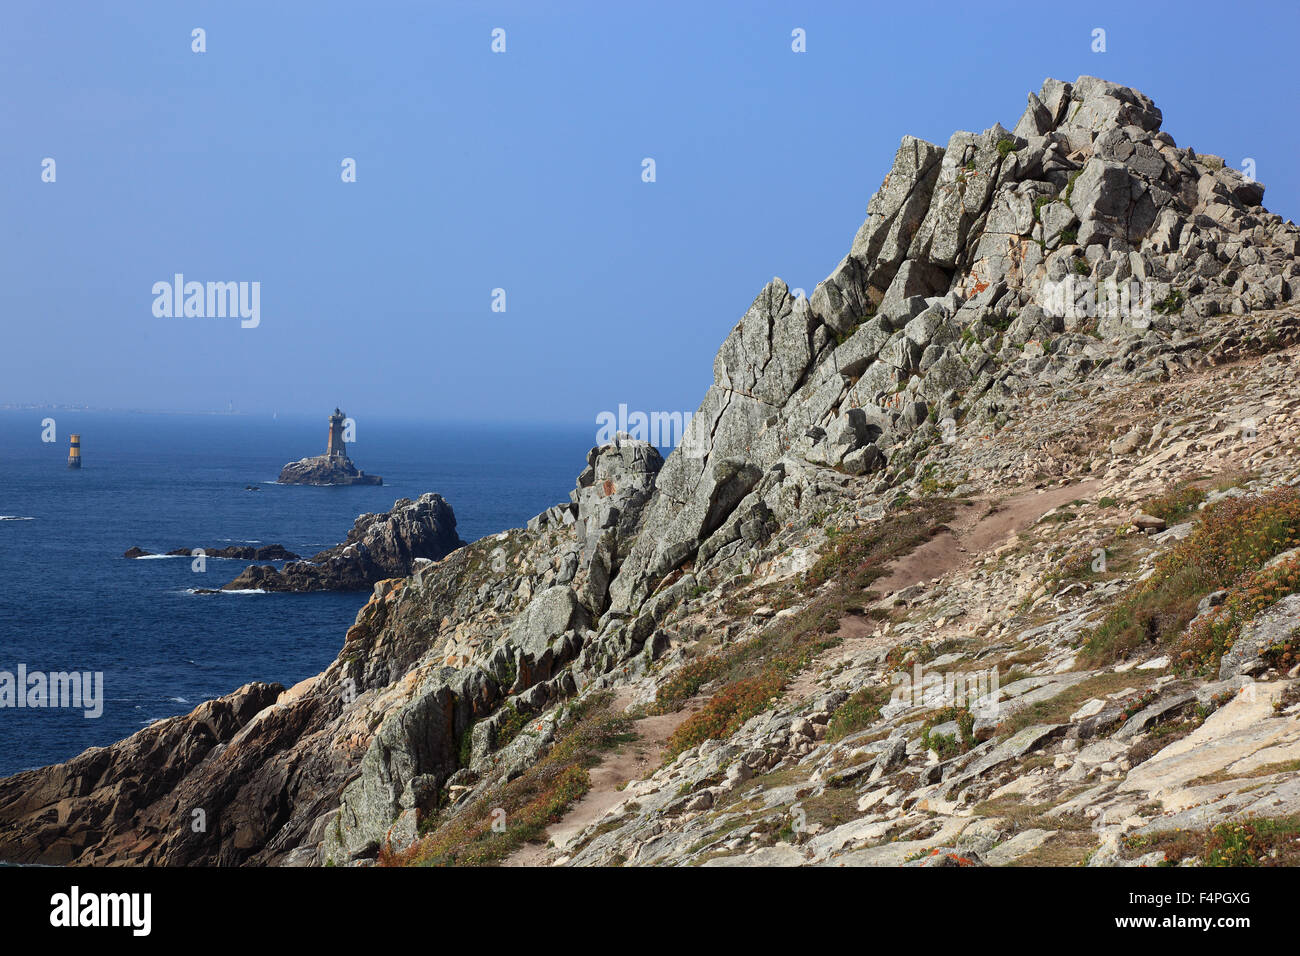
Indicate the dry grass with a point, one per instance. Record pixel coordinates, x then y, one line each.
753 674
530 802
1233 538
1057 710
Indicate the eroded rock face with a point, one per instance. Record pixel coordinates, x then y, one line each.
377 547
973 258
106 793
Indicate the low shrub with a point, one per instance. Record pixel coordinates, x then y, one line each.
1233 538
860 711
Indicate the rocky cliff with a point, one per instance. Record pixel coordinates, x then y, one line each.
379 546
928 463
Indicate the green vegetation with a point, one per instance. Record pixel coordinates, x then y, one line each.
842 337
1206 641
1085 564
860 711
1178 503
1172 304
1227 549
509 726
752 674
1057 710
1069 187
729 708
949 745
464 746
532 801
1259 841
1006 147
860 557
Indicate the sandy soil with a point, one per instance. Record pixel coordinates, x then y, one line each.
974 532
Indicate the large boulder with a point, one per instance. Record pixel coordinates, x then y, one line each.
1274 626
379 546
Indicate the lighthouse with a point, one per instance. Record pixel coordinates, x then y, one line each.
74 453
332 468
335 447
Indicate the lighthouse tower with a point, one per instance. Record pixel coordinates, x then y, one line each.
335 449
74 453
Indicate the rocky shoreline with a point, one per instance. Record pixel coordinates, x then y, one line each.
913 467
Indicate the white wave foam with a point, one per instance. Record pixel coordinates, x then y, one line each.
15 518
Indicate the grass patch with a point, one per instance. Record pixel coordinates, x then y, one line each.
1057 710
860 711
949 745
862 555
1233 539
532 801
1086 565
1172 304
1203 645
755 673
509 726
1259 841
1175 504
685 683
1069 186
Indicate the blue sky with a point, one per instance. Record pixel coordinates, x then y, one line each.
519 170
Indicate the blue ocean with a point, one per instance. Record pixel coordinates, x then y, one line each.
70 601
